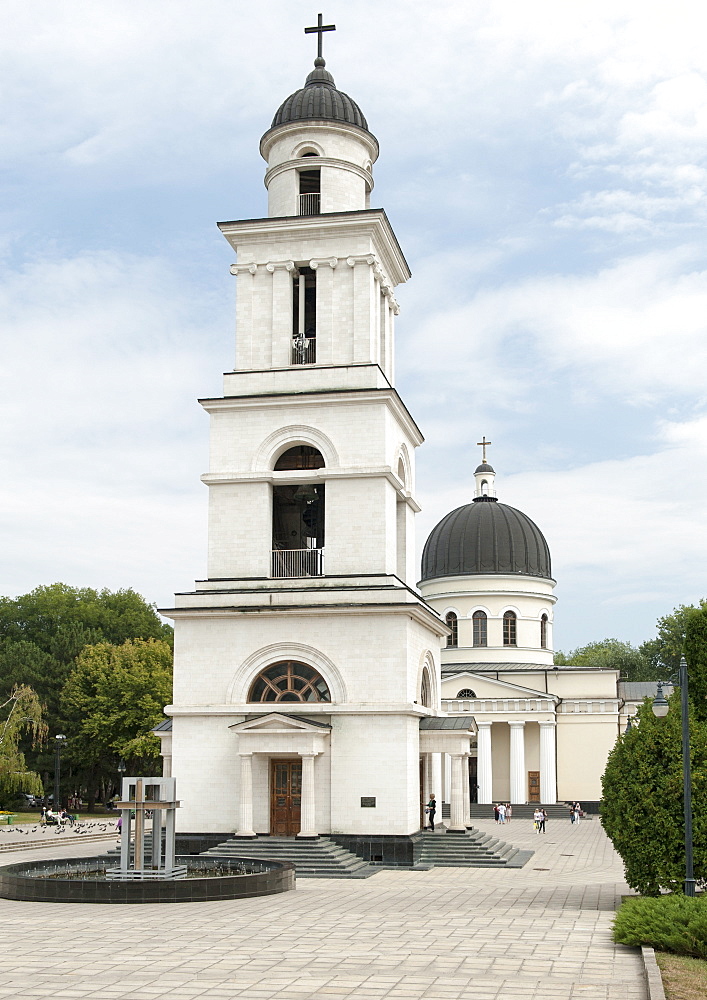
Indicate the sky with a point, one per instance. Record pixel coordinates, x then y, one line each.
544 167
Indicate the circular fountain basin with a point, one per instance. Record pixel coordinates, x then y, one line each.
83 880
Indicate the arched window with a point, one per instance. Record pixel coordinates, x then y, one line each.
479 623
426 689
451 620
509 628
543 632
302 456
289 681
466 693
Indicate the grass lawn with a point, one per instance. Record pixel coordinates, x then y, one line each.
683 978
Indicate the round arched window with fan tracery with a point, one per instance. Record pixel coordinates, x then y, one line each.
289 681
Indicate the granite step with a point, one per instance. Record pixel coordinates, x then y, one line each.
320 858
470 850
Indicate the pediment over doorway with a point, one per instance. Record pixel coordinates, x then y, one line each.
278 733
274 722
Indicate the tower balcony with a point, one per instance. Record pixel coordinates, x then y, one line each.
292 563
309 204
304 351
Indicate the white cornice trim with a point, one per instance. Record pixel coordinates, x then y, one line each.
343 397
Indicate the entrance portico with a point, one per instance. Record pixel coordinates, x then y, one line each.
289 746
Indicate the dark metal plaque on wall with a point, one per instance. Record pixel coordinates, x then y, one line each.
368 802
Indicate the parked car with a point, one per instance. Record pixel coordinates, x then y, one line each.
32 801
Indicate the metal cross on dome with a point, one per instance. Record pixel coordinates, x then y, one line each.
319 30
484 444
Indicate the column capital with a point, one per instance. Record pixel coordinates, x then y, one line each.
280 265
367 258
484 725
247 753
548 725
514 723
240 268
308 753
331 261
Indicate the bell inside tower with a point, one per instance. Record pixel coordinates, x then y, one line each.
298 518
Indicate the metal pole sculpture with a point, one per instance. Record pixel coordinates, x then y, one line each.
141 796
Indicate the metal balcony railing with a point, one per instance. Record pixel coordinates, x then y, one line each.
304 351
287 563
309 204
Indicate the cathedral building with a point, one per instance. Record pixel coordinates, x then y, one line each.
317 688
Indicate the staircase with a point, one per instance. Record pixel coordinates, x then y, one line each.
470 850
320 858
559 810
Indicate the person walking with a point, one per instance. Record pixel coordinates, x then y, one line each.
538 818
501 813
577 809
543 820
495 812
431 809
509 812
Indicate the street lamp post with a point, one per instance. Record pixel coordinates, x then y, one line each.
121 772
59 741
660 710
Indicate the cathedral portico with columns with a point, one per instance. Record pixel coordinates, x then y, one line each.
319 686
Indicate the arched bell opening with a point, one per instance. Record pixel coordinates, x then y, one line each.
298 517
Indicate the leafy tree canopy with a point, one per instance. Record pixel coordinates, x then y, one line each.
20 713
612 654
112 699
61 620
665 650
696 656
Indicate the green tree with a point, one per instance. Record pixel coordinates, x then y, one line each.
112 699
20 713
665 650
696 656
62 619
642 799
610 654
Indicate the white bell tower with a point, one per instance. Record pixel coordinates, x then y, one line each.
311 564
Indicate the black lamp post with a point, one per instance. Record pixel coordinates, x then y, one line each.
121 772
59 741
660 710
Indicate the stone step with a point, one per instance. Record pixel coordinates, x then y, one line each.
470 850
558 810
320 858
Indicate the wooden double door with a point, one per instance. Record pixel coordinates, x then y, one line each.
285 797
533 786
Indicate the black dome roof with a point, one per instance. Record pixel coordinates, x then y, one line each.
319 99
485 537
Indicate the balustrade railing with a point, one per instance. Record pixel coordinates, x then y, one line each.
309 203
304 351
286 563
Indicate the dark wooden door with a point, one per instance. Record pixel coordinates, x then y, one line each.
533 786
285 797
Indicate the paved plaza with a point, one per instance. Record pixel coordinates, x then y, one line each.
540 932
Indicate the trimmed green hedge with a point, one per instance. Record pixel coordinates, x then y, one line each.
668 923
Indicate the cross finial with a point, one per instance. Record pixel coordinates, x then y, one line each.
319 30
483 444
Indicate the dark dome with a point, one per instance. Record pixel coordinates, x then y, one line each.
485 537
484 467
319 99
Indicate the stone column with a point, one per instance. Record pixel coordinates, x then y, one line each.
484 767
245 825
457 824
437 786
308 821
548 764
518 776
466 790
